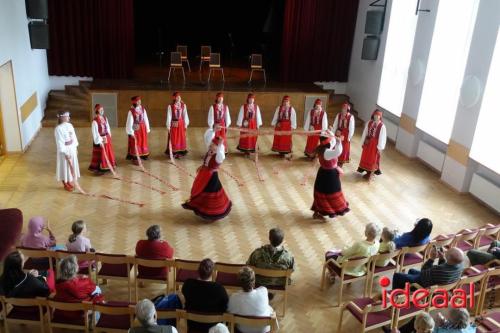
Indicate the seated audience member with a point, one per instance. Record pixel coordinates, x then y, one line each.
448 270
14 282
478 257
458 321
153 248
145 313
73 288
77 242
362 248
422 323
34 237
418 236
219 328
250 301
272 256
386 245
204 295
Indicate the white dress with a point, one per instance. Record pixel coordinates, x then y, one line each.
67 143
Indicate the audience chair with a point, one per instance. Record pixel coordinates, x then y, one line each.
487 234
253 321
59 321
412 257
279 289
488 323
39 259
25 311
206 50
176 63
185 269
443 241
433 289
214 65
183 49
227 274
206 318
406 312
376 271
334 267
489 284
256 65
465 240
116 317
81 257
368 312
152 263
475 277
115 267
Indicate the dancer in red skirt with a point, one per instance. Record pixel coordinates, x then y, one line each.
218 115
373 139
316 120
137 128
177 123
328 197
249 118
343 126
284 119
103 149
208 198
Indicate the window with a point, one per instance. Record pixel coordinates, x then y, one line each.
445 68
485 144
397 57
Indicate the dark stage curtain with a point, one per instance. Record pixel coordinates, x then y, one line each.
317 40
91 38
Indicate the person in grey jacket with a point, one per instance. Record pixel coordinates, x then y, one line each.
145 313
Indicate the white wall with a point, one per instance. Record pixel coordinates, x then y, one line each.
30 66
59 82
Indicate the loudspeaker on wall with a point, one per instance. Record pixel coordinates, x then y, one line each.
374 22
39 35
370 48
37 9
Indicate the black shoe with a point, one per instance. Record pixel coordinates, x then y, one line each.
270 296
378 172
360 170
145 158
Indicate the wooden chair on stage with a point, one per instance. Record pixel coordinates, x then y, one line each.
214 65
176 63
206 50
256 65
183 49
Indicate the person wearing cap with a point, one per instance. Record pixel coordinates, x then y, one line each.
208 198
343 127
373 140
137 128
284 119
102 152
316 120
67 154
248 118
177 123
328 197
218 116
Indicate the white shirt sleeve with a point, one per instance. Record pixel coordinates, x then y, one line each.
363 136
259 118
351 127
169 116
382 138
275 117
324 124
210 120
330 153
307 124
293 115
220 155
146 121
186 117
239 122
107 126
228 117
75 139
61 146
95 133
335 123
130 123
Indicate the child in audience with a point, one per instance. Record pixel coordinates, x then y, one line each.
77 242
386 245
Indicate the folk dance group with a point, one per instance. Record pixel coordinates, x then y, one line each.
208 199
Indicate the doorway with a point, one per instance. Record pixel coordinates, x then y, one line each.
10 124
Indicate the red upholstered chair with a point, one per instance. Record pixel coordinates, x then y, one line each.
56 320
185 269
368 312
115 267
412 257
25 311
152 263
285 275
476 277
115 317
80 256
227 274
252 321
11 224
486 235
465 240
489 323
39 259
206 318
490 283
376 271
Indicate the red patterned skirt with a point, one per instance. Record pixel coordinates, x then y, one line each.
177 136
98 162
208 198
247 143
346 147
370 157
142 143
328 197
283 143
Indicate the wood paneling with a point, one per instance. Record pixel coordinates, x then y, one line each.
29 106
458 152
408 124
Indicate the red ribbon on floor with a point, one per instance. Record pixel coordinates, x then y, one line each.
236 179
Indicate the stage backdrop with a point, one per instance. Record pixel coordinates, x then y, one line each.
317 40
91 38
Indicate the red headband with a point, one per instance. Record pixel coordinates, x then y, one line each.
285 98
135 99
251 96
377 112
347 105
219 94
318 102
97 107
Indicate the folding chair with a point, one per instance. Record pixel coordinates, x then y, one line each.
279 289
227 274
214 65
206 50
487 234
152 263
115 317
256 65
176 63
368 312
412 257
39 259
25 311
115 267
57 319
88 257
376 271
183 49
185 269
253 321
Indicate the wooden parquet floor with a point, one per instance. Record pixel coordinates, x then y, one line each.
407 190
